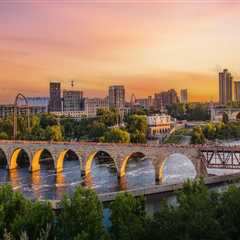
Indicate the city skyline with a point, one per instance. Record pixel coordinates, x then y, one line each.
147 47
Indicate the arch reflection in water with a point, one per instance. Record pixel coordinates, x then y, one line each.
70 177
177 168
104 173
3 159
140 172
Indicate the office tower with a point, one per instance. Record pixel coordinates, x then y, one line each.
92 105
237 91
183 96
72 100
162 99
116 97
225 87
55 104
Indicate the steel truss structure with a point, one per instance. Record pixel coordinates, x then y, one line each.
221 157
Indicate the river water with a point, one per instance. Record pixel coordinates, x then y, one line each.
46 184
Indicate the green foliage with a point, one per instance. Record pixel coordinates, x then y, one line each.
211 131
81 216
96 130
54 133
116 135
3 135
127 217
47 120
37 218
225 118
189 111
109 117
197 136
12 205
197 214
136 125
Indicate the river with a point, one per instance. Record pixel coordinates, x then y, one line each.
46 184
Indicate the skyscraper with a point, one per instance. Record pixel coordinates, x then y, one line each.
72 100
225 87
237 91
55 97
183 96
162 99
116 96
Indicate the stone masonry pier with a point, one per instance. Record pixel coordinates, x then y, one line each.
86 151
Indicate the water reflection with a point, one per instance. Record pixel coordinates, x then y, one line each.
178 168
46 184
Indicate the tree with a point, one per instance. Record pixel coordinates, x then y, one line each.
127 217
38 217
12 204
47 120
69 126
197 136
116 135
137 127
3 135
109 117
138 137
198 212
229 211
54 133
96 130
81 216
225 118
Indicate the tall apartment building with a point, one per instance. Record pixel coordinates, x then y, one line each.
183 96
55 103
237 91
225 87
93 104
145 103
162 99
72 100
116 96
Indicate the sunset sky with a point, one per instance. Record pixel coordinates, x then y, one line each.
148 46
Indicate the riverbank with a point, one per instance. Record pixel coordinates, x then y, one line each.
162 189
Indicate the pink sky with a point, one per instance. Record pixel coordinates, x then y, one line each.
148 46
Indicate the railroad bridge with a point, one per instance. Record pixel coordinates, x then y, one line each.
86 152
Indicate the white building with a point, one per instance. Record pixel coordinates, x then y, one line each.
159 125
77 115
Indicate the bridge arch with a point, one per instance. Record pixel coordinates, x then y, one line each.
187 166
90 158
35 164
3 158
122 170
13 160
61 158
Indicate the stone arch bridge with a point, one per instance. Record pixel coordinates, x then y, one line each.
86 151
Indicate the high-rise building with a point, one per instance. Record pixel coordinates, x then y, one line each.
225 87
55 103
93 104
237 91
116 96
162 99
72 100
183 96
